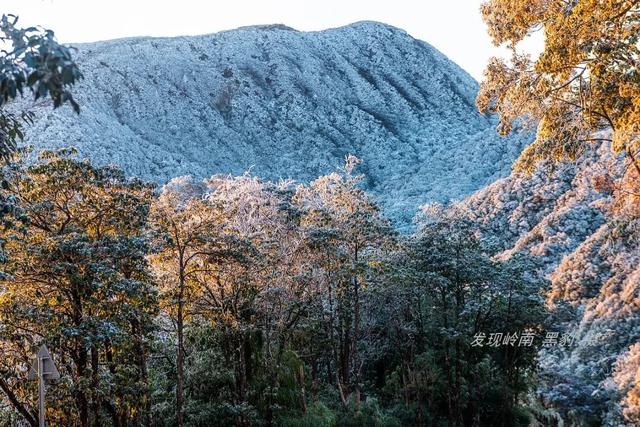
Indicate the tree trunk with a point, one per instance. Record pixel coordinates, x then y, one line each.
80 396
95 385
303 397
80 358
241 378
447 361
180 355
357 365
314 379
144 376
345 355
16 403
109 406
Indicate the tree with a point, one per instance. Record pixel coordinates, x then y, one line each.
76 278
586 79
183 228
350 234
244 290
626 376
259 294
34 61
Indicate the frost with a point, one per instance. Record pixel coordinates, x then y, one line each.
285 104
591 254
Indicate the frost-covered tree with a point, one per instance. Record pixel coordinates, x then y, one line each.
627 378
277 304
444 290
350 234
185 232
243 287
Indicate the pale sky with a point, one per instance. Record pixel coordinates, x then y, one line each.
453 26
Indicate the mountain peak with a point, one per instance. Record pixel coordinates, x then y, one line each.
360 26
372 26
266 27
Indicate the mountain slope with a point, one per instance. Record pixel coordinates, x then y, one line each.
590 252
285 104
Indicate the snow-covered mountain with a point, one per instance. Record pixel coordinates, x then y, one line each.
285 104
290 104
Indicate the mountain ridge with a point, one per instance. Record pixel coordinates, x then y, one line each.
285 104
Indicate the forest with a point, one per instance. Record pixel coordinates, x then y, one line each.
239 301
235 301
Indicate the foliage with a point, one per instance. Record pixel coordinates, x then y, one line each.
76 278
585 80
317 415
31 60
451 291
237 301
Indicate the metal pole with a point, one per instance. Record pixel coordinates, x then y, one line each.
41 391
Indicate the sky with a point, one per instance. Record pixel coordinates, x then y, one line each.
454 27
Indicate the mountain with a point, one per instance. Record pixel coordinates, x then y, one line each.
285 104
288 104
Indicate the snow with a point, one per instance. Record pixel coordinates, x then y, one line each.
290 104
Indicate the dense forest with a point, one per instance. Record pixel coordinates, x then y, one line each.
240 301
236 301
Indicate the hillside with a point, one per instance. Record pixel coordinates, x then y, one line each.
591 254
285 104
